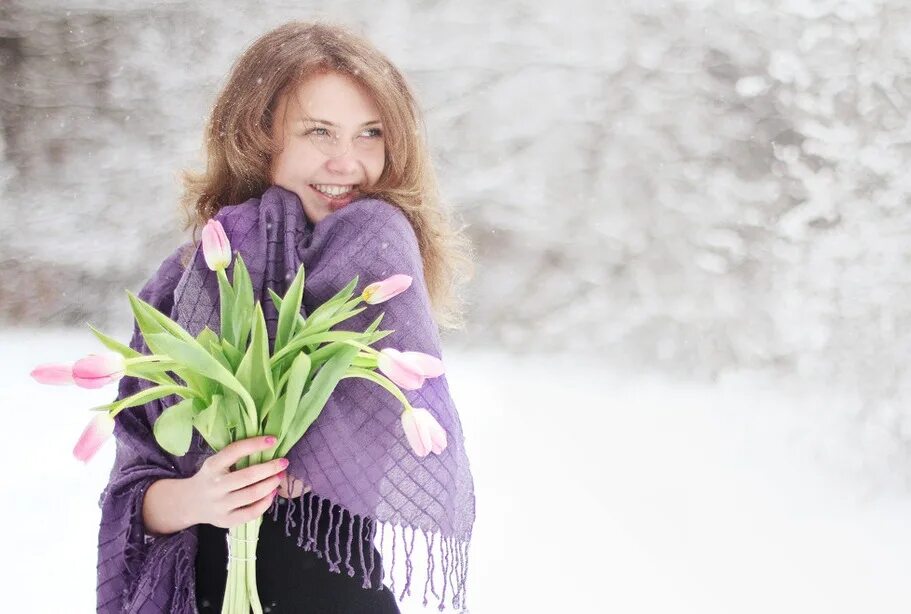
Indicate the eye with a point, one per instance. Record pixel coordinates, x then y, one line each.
373 133
317 132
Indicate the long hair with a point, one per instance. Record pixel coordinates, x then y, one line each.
239 145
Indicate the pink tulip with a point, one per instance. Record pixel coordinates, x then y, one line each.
95 434
430 366
97 370
408 369
382 291
215 245
424 433
57 374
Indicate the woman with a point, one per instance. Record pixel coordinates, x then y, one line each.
314 158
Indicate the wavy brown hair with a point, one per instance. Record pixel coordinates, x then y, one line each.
239 145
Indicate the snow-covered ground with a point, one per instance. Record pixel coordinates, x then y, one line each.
597 491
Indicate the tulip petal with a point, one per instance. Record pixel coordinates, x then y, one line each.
403 371
418 440
55 374
97 370
384 290
95 434
438 438
430 366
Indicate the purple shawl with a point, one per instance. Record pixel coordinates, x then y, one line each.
355 456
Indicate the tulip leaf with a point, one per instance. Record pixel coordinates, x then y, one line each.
329 321
331 306
174 428
243 303
299 342
198 359
156 320
314 400
290 307
211 423
254 373
300 371
233 355
150 394
210 341
153 371
114 345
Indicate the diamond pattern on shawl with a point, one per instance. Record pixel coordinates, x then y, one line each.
355 454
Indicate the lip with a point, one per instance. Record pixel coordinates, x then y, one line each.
335 203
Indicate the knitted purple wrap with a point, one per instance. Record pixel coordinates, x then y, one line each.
355 456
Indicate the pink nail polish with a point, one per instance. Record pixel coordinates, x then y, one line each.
283 463
270 440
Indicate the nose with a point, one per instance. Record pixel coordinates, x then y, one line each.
342 165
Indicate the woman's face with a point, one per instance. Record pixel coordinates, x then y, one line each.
332 142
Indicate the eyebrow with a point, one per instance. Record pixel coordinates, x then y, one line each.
328 123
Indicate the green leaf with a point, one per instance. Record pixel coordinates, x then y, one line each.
314 400
291 306
299 342
330 307
114 345
174 428
243 303
150 394
233 355
254 370
211 424
197 358
153 371
328 322
300 371
156 321
209 340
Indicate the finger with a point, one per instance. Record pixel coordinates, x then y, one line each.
253 474
233 452
251 494
254 510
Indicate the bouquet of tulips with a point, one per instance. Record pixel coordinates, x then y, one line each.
231 388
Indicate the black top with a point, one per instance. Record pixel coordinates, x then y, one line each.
291 580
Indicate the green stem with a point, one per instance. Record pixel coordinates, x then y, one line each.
150 358
380 380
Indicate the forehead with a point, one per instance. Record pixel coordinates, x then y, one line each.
333 97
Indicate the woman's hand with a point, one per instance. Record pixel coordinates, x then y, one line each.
225 498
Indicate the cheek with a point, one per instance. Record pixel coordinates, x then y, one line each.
376 165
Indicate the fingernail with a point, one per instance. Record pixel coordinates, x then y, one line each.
283 463
271 440
280 475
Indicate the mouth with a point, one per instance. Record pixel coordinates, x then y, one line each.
336 196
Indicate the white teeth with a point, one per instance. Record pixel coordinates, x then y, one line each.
332 190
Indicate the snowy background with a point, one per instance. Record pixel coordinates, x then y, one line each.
691 221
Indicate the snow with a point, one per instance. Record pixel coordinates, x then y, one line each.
598 490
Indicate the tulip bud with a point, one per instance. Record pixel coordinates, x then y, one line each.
216 248
423 432
382 291
95 434
97 370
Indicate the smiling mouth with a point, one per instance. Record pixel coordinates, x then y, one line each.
338 199
334 191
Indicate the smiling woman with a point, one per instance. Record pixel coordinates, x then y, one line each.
327 161
314 159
